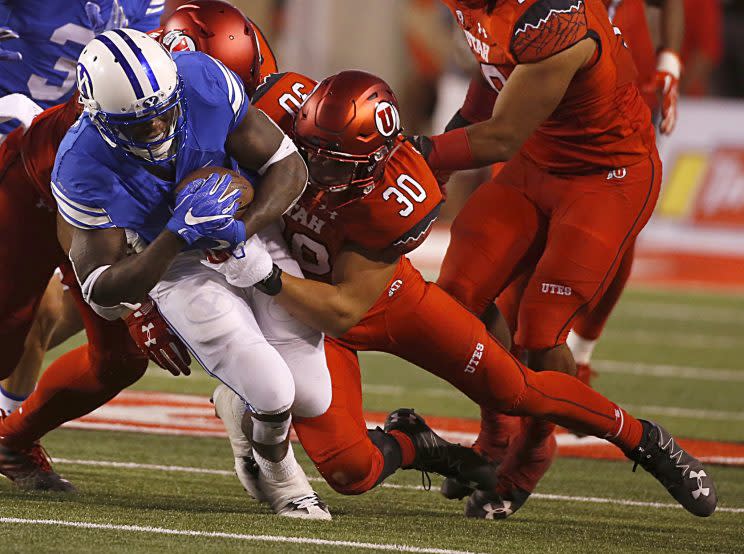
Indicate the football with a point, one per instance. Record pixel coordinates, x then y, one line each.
238 183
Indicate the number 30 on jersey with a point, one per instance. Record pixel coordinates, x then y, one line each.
407 192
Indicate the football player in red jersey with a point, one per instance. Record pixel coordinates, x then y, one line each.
581 178
371 199
658 81
85 378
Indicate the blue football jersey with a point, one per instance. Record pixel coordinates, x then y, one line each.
98 186
52 34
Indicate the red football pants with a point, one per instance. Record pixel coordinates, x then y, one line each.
569 232
422 324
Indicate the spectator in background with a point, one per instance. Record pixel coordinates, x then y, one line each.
702 47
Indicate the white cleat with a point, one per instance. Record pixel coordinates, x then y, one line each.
293 497
229 407
307 507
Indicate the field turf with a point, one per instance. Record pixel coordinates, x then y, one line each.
674 357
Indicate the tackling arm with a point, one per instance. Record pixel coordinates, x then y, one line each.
258 144
334 309
531 94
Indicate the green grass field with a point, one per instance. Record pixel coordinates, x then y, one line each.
677 358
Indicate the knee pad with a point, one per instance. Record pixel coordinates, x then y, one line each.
270 432
354 470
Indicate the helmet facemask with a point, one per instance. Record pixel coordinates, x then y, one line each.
153 134
339 178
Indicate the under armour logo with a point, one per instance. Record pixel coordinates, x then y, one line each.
150 339
705 491
498 512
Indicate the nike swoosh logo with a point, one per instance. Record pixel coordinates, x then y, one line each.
191 219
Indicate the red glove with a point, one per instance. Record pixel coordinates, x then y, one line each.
668 70
153 336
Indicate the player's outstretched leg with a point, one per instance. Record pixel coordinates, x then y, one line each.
470 359
283 485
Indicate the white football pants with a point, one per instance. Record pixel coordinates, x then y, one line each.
244 338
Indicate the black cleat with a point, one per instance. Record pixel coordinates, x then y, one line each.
489 505
681 474
454 489
436 455
30 469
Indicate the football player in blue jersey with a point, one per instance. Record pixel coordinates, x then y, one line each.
45 37
149 121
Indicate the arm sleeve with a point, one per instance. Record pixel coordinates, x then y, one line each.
479 100
236 95
78 214
548 27
413 238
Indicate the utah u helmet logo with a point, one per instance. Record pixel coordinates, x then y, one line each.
387 119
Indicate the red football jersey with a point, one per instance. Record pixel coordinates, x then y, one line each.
602 121
630 17
395 217
38 146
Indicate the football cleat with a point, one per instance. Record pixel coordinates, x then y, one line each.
681 474
306 507
436 455
30 469
229 408
489 505
293 497
454 489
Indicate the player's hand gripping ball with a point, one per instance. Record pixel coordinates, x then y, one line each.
209 203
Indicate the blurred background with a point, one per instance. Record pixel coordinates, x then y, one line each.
697 235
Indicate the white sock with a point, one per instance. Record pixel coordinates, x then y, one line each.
580 347
10 402
282 470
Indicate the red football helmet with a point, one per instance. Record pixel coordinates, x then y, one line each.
222 31
346 130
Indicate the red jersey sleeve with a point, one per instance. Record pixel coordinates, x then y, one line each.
547 27
281 95
397 216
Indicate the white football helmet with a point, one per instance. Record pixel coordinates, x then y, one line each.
127 80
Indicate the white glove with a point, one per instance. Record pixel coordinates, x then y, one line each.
248 264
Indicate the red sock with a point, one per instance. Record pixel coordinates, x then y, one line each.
591 324
71 387
531 453
566 401
497 429
407 450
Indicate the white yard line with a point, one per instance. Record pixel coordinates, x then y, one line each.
542 496
673 311
692 413
235 536
680 340
665 370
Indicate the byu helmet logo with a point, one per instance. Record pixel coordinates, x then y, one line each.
85 84
387 119
151 102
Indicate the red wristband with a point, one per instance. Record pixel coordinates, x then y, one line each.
451 151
